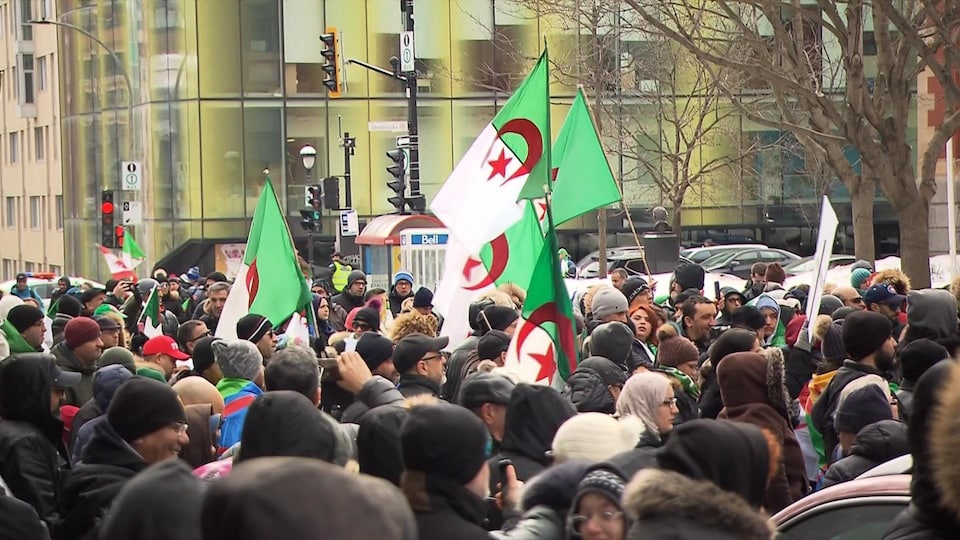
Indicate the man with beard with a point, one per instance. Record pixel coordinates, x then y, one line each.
868 340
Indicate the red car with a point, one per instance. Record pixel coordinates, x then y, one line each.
861 508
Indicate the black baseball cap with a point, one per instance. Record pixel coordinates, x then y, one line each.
480 388
492 344
412 348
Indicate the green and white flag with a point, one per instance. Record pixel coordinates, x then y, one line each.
150 317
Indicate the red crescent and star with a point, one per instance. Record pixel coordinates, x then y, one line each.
548 312
252 282
501 253
534 139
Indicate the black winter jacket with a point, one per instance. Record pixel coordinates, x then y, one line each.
462 362
107 464
826 405
876 443
546 503
417 385
444 509
374 393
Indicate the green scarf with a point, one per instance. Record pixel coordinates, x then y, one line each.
686 382
18 345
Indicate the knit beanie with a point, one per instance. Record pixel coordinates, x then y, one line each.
608 301
858 276
602 482
689 276
142 406
238 359
593 437
917 356
674 350
613 341
203 353
106 381
69 305
828 304
444 440
24 316
496 318
252 327
369 314
119 356
831 344
862 408
80 330
354 276
633 287
402 275
375 349
864 332
423 298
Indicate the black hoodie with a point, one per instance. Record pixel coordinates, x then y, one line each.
926 516
31 442
162 503
534 414
876 443
285 423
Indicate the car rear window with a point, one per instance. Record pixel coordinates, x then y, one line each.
864 520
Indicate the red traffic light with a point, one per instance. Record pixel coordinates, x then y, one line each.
106 207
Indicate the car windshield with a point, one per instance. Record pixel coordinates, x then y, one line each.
720 259
806 264
867 520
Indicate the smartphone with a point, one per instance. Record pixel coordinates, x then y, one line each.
716 290
503 464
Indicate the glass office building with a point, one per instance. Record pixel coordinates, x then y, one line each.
207 94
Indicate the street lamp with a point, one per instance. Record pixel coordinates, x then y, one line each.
308 155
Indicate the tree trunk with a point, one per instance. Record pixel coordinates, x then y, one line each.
862 193
602 247
914 218
675 224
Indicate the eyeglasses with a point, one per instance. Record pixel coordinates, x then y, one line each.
437 356
180 428
576 521
203 335
669 402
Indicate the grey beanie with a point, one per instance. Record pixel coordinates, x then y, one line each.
356 275
608 301
238 359
145 285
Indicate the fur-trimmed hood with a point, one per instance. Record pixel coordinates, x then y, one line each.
665 504
943 439
747 378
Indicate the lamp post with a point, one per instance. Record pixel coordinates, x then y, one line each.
121 69
308 155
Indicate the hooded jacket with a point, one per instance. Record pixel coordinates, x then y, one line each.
162 503
534 414
106 384
345 299
825 405
235 410
19 520
545 503
68 361
31 445
665 504
443 508
932 512
285 423
931 313
753 391
587 388
876 443
107 464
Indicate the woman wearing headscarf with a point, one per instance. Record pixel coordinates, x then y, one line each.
648 397
753 391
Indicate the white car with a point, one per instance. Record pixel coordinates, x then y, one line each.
700 254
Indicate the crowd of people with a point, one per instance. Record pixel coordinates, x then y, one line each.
693 418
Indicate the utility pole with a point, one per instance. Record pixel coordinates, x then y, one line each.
348 143
406 8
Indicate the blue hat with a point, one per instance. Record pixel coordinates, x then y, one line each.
403 275
883 293
193 274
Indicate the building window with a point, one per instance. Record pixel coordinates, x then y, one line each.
8 272
46 9
3 19
39 142
27 70
14 146
56 270
42 74
58 203
15 87
26 13
29 267
11 211
35 212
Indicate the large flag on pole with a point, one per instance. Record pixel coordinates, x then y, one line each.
119 268
477 201
131 253
269 281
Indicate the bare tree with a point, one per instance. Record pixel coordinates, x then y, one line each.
793 44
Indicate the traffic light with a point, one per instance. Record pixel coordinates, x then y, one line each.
315 197
417 204
331 192
311 220
108 235
331 61
399 183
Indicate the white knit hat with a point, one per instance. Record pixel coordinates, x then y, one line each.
594 437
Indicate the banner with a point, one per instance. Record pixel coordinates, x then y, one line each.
825 238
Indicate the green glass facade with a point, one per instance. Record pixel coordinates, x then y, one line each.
223 89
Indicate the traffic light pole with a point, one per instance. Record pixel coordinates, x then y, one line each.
406 7
348 143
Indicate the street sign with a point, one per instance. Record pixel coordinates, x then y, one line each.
349 224
132 213
406 52
131 176
403 141
387 125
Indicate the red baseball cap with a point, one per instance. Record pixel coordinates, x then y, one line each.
164 345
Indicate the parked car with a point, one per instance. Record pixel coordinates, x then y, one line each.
807 264
738 263
594 258
861 508
700 254
45 283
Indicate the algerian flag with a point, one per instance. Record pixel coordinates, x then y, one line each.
269 281
477 201
131 253
150 317
543 345
582 178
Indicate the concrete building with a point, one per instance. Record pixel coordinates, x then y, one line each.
31 214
